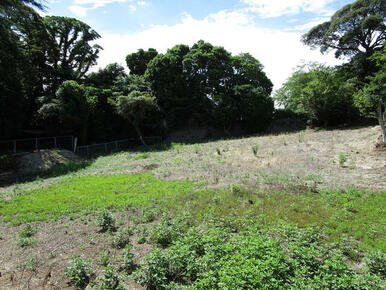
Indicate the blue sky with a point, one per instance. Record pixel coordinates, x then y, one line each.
268 29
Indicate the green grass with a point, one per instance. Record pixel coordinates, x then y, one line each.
353 213
87 194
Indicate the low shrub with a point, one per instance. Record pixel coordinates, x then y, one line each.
122 238
80 272
106 221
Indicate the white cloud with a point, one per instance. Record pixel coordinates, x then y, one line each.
275 8
142 3
279 51
97 3
79 11
309 25
80 7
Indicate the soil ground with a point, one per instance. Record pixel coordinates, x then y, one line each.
318 159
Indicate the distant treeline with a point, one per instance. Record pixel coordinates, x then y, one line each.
46 85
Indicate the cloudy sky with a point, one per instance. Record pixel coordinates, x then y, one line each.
268 29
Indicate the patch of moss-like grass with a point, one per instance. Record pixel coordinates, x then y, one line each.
352 213
88 194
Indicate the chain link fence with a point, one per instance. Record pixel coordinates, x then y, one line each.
33 144
115 146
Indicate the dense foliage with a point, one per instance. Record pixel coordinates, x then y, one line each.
46 84
330 96
321 93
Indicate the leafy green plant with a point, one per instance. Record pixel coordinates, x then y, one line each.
105 258
236 189
165 232
106 221
122 238
300 136
127 261
31 264
255 149
79 272
111 280
342 158
27 232
149 214
376 261
142 235
25 235
218 150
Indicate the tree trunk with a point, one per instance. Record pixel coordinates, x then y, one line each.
83 137
381 121
136 127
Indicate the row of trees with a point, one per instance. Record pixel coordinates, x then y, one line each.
46 83
202 85
37 55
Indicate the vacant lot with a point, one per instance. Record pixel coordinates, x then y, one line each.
294 211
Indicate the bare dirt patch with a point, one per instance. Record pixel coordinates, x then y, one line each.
43 266
38 162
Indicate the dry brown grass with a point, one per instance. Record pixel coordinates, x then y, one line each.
309 157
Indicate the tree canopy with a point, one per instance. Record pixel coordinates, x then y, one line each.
137 62
356 28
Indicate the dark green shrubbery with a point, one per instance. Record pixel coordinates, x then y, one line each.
287 257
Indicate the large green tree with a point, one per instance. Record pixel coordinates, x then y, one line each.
70 109
167 78
137 62
76 53
23 46
246 99
355 31
140 109
319 92
371 99
356 28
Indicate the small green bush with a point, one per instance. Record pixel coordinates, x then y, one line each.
255 149
127 261
105 259
25 235
165 232
142 235
27 232
80 272
106 221
149 215
342 158
122 238
376 262
111 280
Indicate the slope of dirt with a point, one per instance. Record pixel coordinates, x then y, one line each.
37 162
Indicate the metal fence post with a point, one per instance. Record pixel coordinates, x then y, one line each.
36 143
55 142
14 146
72 143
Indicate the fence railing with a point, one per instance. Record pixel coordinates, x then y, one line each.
115 145
32 144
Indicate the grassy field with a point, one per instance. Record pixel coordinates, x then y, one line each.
243 217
